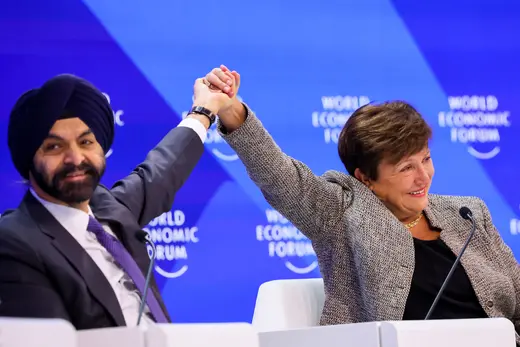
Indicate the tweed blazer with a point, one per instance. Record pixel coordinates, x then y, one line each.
366 255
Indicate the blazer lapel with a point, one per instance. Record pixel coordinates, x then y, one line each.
77 257
455 232
124 225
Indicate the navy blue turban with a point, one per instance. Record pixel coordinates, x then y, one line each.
36 111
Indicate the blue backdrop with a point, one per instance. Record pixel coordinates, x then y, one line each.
305 67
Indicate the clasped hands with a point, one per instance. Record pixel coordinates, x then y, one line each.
217 91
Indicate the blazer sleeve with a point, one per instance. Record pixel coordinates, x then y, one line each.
150 189
506 257
310 202
25 290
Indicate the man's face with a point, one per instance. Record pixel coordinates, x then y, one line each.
70 162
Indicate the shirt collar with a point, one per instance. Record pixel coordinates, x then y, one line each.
72 219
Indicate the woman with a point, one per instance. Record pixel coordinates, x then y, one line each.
384 244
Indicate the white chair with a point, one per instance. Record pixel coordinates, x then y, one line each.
288 304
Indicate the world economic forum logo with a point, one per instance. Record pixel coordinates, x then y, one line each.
286 242
514 225
118 121
172 237
218 146
216 143
476 121
334 113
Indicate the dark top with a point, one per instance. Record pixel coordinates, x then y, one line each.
433 261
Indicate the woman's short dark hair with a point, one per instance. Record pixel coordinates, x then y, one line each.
388 131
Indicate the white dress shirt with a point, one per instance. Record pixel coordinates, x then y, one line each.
196 126
75 222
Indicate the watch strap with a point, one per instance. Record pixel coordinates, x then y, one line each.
205 112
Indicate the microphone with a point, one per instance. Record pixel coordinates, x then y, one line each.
143 236
467 215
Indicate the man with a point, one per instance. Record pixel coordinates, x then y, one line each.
70 249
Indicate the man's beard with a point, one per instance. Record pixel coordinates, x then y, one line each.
71 193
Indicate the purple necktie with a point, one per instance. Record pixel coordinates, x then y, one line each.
125 260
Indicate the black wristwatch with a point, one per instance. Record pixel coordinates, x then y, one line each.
205 112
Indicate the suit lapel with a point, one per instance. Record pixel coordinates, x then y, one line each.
65 243
455 232
124 225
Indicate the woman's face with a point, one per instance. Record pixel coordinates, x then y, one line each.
403 187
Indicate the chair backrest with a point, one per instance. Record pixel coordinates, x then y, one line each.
289 304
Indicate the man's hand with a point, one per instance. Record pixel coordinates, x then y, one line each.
211 98
231 114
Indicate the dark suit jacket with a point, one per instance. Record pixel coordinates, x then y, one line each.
45 273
